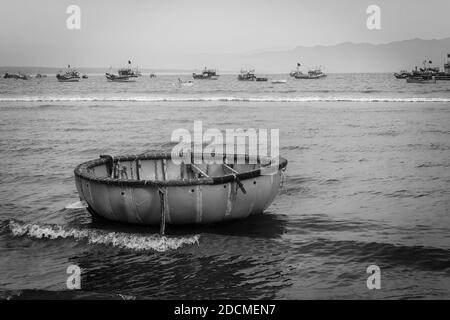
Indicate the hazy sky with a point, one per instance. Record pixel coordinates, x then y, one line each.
155 32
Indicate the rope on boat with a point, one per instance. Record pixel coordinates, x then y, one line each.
162 200
162 226
234 173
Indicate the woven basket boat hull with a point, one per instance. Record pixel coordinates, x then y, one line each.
154 184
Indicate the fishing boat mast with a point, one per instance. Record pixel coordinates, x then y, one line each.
447 65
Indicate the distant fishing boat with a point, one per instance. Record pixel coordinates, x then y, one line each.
18 76
117 78
207 74
151 189
249 75
70 75
424 75
22 76
128 72
123 75
188 83
421 79
84 76
315 73
152 75
312 74
445 75
426 70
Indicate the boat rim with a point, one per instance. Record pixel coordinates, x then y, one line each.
83 171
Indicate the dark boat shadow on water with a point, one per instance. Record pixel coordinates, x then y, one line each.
266 225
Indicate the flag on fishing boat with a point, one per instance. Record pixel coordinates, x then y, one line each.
298 64
430 61
129 61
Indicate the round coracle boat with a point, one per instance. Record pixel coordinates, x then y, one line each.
152 189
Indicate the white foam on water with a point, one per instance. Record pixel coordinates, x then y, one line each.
222 99
115 239
76 205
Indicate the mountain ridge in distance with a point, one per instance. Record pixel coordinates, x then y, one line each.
360 57
346 57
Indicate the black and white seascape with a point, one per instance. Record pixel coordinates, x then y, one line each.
360 211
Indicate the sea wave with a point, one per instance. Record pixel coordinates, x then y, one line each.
116 239
222 99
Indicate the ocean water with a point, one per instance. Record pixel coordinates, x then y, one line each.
367 183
